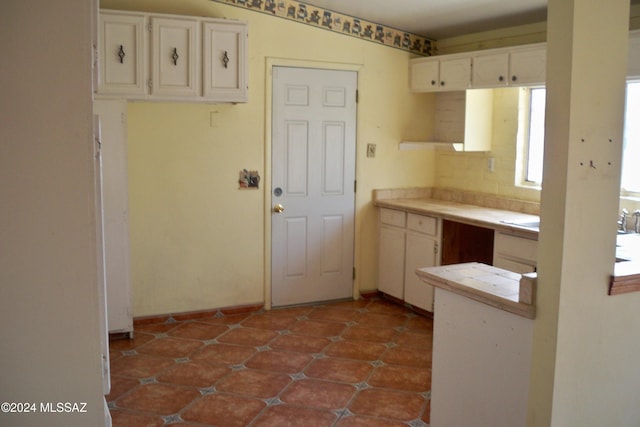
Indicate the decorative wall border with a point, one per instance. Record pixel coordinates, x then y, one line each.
339 23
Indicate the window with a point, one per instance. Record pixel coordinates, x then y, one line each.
630 182
535 144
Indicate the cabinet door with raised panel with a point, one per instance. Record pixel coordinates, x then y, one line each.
425 75
225 61
455 74
490 70
391 261
528 66
122 54
420 252
175 59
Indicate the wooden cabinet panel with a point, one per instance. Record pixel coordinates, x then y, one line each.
225 61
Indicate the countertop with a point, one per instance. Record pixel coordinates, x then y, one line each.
626 276
465 213
480 282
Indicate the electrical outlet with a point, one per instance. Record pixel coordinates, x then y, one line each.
371 150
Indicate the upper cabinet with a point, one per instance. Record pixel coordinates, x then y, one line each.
225 61
171 57
434 74
122 54
516 67
175 58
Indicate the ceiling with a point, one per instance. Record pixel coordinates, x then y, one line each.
439 19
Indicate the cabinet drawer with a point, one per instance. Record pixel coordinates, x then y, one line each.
516 247
423 224
393 217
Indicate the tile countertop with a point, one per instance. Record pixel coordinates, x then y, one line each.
480 282
466 213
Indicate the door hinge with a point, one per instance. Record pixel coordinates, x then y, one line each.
354 273
435 248
355 186
149 83
357 96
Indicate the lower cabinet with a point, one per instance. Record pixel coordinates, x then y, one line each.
515 253
406 242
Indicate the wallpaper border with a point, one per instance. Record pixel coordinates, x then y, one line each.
340 23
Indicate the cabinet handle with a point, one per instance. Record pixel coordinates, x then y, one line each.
225 59
514 78
442 83
501 78
433 82
175 56
121 54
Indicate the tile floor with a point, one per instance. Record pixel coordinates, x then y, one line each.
343 364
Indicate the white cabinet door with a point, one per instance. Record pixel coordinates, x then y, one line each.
490 70
122 54
391 261
455 74
225 61
420 252
528 66
175 60
425 75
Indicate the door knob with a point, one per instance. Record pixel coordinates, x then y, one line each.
278 208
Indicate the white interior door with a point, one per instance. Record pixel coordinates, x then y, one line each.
313 176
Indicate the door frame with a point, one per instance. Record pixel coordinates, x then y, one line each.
283 62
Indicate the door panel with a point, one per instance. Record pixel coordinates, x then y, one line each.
313 173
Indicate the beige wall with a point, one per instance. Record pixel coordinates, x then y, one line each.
49 327
198 242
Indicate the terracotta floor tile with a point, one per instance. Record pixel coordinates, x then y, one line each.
231 319
294 416
401 378
387 307
248 336
408 356
360 421
193 374
294 366
300 343
341 370
270 321
127 419
359 350
279 361
420 323
159 399
292 311
367 333
318 394
415 339
121 385
198 331
318 328
223 410
169 347
334 314
381 320
389 404
248 382
223 354
156 328
140 366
